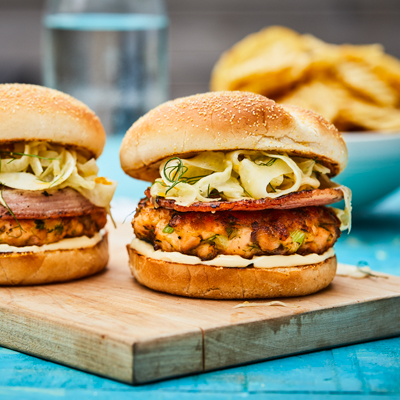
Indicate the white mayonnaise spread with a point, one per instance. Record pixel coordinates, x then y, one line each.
293 260
64 244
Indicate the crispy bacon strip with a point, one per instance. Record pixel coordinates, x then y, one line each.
30 204
305 198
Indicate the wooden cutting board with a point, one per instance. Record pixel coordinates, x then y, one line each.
109 325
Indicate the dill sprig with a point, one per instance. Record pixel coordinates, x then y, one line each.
12 153
52 185
8 208
209 239
247 193
128 216
254 246
174 174
269 163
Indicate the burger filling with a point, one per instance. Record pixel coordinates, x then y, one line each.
299 230
46 169
242 174
304 230
37 232
43 166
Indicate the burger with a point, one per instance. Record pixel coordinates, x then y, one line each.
53 204
237 206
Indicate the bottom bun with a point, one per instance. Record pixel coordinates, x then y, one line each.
52 266
204 281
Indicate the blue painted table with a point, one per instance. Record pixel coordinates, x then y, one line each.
370 370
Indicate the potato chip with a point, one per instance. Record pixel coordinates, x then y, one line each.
326 98
388 68
263 62
256 43
323 56
355 87
363 80
362 53
358 113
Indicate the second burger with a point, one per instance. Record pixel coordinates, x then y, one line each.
237 208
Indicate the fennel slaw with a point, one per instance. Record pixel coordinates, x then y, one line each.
43 166
243 174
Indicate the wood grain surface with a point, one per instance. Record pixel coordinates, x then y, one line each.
111 326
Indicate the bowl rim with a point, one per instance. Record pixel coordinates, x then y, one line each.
353 137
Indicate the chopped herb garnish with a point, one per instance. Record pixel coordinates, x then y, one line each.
57 180
174 174
272 188
221 241
39 224
248 194
3 202
229 231
210 239
254 246
168 229
59 228
325 225
214 194
14 153
267 164
194 179
139 210
298 237
12 230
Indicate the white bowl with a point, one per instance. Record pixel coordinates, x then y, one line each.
373 171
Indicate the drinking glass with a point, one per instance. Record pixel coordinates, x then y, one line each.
110 54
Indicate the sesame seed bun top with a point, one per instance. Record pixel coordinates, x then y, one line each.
226 121
30 112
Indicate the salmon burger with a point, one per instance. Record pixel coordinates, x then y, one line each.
238 206
53 204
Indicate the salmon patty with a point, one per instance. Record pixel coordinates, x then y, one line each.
303 230
37 232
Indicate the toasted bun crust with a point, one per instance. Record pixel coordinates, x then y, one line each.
208 282
29 112
224 121
52 266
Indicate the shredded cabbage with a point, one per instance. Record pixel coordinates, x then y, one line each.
242 174
43 166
